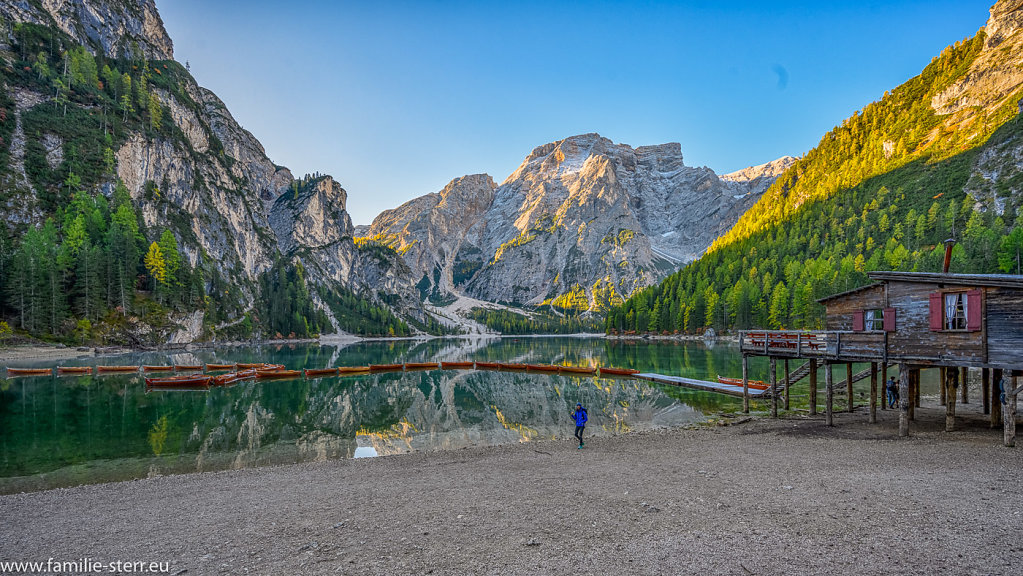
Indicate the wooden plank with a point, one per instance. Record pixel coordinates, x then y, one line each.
884 378
813 387
788 376
873 392
941 385
950 407
848 387
996 401
745 384
964 378
774 387
903 400
829 396
1009 419
985 389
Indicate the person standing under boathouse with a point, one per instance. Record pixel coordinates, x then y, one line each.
580 422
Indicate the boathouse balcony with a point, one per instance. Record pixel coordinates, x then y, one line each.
824 344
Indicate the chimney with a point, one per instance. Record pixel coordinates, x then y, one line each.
948 254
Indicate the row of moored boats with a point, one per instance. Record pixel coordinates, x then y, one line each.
197 375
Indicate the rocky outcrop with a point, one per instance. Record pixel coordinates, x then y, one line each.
312 215
112 27
582 222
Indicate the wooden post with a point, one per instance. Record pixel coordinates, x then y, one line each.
996 401
884 378
985 389
873 392
813 387
913 398
787 376
915 375
964 379
848 387
1009 411
829 395
941 384
745 384
950 407
903 400
774 387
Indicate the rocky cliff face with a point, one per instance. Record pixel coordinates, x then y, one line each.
581 223
208 180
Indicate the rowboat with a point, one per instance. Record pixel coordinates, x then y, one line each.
117 368
738 382
578 369
488 366
29 371
541 368
218 367
386 367
352 370
180 381
188 367
234 377
277 373
74 369
504 366
247 366
319 372
421 366
456 365
157 368
617 371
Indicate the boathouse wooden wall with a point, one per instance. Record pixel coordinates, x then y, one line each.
999 342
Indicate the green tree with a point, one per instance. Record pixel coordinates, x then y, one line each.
1010 252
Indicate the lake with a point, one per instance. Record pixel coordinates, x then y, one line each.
69 430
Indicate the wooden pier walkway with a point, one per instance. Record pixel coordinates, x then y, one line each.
700 384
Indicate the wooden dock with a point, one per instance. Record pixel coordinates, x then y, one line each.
699 384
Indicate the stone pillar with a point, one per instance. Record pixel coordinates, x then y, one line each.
774 387
813 387
950 407
829 395
745 384
904 400
873 392
996 401
1009 411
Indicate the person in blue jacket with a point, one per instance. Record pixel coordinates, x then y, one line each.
580 422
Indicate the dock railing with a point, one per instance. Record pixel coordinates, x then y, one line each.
812 344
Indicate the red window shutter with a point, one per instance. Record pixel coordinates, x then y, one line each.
936 314
889 319
858 321
973 319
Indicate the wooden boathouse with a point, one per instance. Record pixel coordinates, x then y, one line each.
913 321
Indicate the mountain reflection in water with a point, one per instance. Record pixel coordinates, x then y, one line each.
57 431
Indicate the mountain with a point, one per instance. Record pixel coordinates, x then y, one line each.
580 224
101 126
935 157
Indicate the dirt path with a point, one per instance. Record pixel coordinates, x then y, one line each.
767 497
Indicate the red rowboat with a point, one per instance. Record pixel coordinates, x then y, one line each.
74 369
456 365
157 368
617 371
344 370
511 366
29 371
180 381
218 367
758 384
386 367
188 368
320 372
541 368
578 369
277 373
421 366
487 366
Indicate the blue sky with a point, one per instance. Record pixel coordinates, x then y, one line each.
394 99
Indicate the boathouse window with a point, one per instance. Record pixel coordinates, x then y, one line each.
956 311
874 319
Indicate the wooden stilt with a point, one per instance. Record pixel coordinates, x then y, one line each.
1009 411
745 384
985 389
941 386
996 401
873 392
903 400
884 378
950 407
774 387
829 395
964 379
848 387
813 387
913 395
787 376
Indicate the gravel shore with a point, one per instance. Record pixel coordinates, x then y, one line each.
790 496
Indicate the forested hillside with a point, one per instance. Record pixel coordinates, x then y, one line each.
880 192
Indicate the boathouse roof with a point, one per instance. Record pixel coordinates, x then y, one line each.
880 277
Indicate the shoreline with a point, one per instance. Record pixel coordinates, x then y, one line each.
764 497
